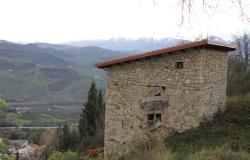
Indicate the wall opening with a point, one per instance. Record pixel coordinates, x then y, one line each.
154 117
179 65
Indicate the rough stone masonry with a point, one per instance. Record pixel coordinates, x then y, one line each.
179 87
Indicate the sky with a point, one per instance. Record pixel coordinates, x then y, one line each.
59 21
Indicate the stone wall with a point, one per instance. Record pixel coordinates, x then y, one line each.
193 94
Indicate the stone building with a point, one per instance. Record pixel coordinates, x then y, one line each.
176 87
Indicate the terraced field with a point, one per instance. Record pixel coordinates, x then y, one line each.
42 115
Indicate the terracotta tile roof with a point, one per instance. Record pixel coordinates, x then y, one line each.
203 43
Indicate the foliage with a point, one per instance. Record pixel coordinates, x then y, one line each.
4 121
243 46
238 74
33 119
67 139
90 127
69 155
151 147
92 116
91 123
2 102
89 158
34 136
3 156
238 78
15 133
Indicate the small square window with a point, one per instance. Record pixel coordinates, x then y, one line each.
179 65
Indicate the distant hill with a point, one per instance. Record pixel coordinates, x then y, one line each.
48 72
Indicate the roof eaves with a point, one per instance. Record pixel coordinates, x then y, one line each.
158 52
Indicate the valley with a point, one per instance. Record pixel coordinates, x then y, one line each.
40 114
46 85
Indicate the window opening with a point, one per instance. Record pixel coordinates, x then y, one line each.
179 65
154 117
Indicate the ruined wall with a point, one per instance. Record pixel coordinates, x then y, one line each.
194 92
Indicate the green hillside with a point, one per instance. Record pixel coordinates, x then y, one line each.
49 73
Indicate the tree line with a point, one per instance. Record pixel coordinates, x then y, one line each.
239 68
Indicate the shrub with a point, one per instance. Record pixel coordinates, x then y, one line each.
69 155
3 156
2 102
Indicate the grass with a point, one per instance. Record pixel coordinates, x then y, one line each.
43 115
15 119
231 129
221 153
33 119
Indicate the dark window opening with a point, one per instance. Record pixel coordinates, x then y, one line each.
159 94
179 65
154 117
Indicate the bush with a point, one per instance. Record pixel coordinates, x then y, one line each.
3 156
2 102
34 136
238 83
69 155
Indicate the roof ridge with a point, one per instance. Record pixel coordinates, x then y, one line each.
203 42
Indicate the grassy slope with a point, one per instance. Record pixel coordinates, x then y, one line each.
23 78
230 130
44 115
226 137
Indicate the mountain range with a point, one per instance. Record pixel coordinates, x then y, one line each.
141 44
123 44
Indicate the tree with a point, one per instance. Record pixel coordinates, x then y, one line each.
101 110
2 102
212 6
82 126
243 46
64 138
92 116
74 140
34 136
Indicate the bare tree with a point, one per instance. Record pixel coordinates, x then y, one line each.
243 46
246 46
238 52
211 6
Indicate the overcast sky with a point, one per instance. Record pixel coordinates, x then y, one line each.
59 21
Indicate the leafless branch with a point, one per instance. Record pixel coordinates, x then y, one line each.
208 6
